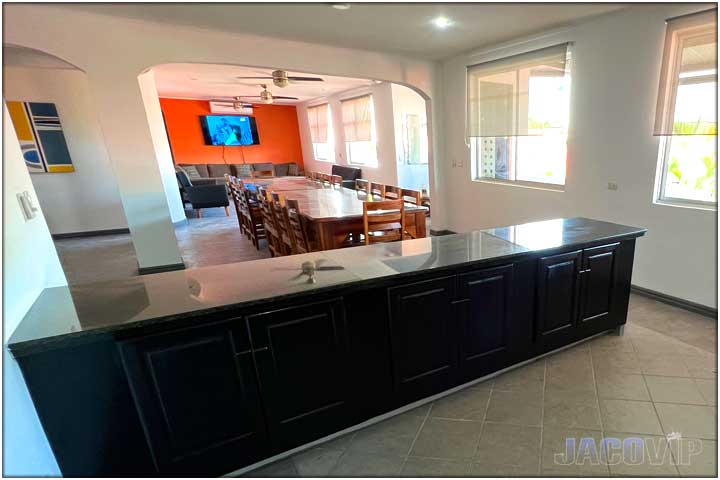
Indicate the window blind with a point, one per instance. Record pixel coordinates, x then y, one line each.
317 119
357 119
498 100
689 57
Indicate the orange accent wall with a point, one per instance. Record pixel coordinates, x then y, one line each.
277 128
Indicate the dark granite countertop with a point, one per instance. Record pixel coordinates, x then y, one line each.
73 312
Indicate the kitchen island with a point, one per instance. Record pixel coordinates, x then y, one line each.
205 371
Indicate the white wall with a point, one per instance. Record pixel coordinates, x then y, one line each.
407 102
114 51
88 198
30 263
615 79
385 171
148 88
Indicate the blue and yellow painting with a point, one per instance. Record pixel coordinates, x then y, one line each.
41 137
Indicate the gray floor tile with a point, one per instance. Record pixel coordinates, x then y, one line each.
281 468
433 467
656 459
666 365
516 408
708 389
355 464
674 390
622 386
393 436
554 461
492 470
701 366
629 416
695 457
692 421
615 362
612 343
504 444
529 378
454 439
316 462
572 410
468 404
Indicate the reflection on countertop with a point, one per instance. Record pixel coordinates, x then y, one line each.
115 305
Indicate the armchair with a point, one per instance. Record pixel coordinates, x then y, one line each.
202 196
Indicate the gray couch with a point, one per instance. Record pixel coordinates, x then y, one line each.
211 173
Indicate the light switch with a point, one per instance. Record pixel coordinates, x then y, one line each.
29 210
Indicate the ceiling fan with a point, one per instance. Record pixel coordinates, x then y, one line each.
236 103
267 97
281 79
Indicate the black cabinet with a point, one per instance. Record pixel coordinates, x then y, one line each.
304 371
575 295
485 320
597 280
197 396
423 337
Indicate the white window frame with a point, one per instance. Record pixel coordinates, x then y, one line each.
665 146
330 138
473 142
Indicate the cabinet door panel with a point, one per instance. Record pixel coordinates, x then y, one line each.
303 367
485 320
598 277
423 336
198 400
557 286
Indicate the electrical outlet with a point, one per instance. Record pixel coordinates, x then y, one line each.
612 186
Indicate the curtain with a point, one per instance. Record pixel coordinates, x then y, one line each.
689 58
498 92
357 119
318 121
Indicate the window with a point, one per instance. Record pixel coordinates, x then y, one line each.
359 129
321 132
414 139
518 116
686 117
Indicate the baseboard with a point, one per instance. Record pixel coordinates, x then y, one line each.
184 221
91 233
439 233
161 268
675 301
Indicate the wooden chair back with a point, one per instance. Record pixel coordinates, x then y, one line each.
268 223
296 227
325 178
377 190
238 200
362 185
411 196
285 243
392 192
384 221
309 175
254 219
336 180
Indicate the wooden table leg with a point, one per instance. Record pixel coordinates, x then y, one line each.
326 236
420 225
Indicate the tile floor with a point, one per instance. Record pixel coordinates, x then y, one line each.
644 384
211 240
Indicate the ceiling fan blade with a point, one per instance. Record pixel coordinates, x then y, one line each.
305 79
255 78
277 97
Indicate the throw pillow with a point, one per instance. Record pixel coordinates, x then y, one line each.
192 172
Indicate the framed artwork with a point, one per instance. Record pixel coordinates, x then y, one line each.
41 137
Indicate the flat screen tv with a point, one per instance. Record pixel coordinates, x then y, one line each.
230 130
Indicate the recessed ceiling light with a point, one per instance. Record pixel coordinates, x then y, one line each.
441 22
341 6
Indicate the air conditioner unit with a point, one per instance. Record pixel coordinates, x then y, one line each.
227 109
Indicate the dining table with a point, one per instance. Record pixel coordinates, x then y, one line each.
332 213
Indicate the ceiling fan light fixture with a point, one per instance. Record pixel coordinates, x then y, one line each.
280 78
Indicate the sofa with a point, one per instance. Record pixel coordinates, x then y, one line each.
214 173
348 174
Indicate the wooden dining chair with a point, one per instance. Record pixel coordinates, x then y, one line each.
236 195
271 233
325 179
296 227
411 196
384 221
392 192
254 218
309 175
284 242
336 180
362 185
377 190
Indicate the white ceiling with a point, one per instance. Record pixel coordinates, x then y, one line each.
205 82
400 27
14 56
